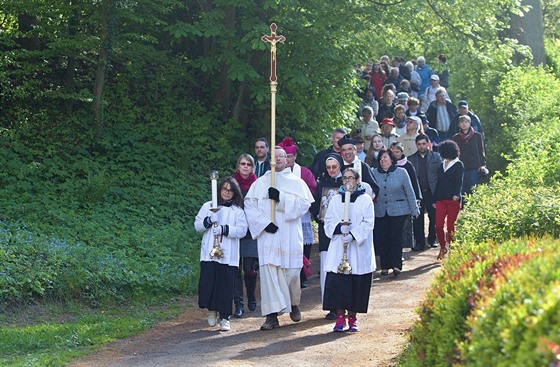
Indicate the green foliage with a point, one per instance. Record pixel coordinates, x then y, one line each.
510 324
525 116
492 305
523 211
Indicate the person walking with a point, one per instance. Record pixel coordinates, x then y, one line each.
249 258
447 195
324 192
279 241
349 292
426 164
217 275
396 202
471 146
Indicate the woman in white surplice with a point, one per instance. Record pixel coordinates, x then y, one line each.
349 292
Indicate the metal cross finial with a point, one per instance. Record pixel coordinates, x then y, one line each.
273 39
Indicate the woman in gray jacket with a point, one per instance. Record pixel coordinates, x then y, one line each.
395 202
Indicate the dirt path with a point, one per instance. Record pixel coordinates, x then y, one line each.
188 341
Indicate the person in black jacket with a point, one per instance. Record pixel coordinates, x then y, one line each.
325 190
447 195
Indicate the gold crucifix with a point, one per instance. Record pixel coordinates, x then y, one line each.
273 39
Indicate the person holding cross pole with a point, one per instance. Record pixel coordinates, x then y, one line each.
279 240
275 204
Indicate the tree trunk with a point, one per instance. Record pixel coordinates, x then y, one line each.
529 31
224 94
103 62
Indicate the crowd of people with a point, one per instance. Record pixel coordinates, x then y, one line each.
411 154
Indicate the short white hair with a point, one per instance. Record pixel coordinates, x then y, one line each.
421 59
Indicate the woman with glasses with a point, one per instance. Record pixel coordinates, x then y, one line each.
217 275
343 291
395 203
324 192
249 257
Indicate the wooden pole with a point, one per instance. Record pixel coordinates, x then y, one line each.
273 39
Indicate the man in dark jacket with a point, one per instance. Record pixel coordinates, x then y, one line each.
262 161
426 164
318 166
462 110
440 114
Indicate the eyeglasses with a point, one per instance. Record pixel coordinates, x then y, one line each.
332 167
348 178
245 164
227 191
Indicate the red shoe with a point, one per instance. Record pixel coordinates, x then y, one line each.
340 323
352 324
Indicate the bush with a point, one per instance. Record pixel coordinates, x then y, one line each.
488 300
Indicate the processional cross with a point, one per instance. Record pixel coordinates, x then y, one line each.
273 39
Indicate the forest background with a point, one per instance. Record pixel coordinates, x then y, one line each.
113 113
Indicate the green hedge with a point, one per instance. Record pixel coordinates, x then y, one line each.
490 302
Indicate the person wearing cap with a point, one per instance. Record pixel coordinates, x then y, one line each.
318 164
351 160
463 110
279 241
306 175
360 148
440 115
408 139
433 88
402 99
323 194
367 127
471 147
387 134
425 73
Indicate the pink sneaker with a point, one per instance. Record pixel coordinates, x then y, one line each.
340 323
352 324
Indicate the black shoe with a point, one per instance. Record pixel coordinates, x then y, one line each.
384 272
396 271
252 305
331 315
304 284
238 312
295 315
434 245
270 323
417 249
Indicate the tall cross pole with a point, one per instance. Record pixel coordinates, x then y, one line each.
273 39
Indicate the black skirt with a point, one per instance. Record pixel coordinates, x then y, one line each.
215 287
350 292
